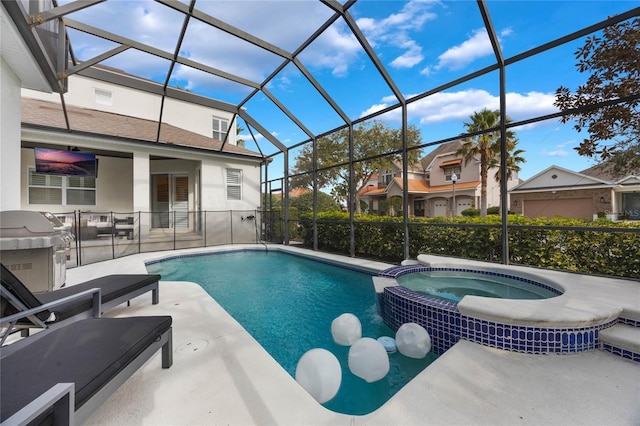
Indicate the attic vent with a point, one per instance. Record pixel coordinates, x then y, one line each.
103 97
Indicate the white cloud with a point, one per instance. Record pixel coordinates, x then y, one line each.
554 153
335 49
459 106
457 57
394 31
411 57
477 45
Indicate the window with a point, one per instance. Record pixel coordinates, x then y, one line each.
61 190
386 177
81 190
449 171
103 97
234 184
220 128
44 189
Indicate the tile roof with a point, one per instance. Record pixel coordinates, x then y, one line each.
414 185
50 115
463 185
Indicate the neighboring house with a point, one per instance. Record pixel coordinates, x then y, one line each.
167 169
595 191
431 188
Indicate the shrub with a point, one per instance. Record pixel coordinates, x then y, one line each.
474 237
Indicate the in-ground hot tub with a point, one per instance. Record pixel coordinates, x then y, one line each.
554 324
453 284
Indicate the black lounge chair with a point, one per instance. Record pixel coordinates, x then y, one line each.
114 290
61 375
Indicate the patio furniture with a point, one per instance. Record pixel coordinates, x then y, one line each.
114 290
61 375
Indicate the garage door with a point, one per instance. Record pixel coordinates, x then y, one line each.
579 208
463 204
440 208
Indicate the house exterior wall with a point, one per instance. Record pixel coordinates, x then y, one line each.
136 103
414 175
214 177
114 186
469 172
124 184
9 138
124 101
563 199
196 118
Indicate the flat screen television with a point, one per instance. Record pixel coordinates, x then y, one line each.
67 163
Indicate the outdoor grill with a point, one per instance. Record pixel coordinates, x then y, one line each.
34 246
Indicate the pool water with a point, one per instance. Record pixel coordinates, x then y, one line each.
454 285
287 303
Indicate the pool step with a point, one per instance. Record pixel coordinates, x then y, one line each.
623 340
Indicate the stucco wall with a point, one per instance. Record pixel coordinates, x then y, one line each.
135 103
114 186
9 138
214 178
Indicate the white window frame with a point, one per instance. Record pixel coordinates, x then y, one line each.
449 171
65 185
386 177
218 132
234 184
49 185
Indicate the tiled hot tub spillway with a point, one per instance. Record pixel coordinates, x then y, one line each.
446 325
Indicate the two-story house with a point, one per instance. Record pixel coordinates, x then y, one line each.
441 184
189 163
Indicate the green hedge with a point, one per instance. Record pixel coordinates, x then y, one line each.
381 237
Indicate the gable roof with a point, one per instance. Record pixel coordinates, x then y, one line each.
49 115
606 171
442 149
557 177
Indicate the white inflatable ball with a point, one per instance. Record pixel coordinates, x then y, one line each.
319 373
368 359
412 340
346 329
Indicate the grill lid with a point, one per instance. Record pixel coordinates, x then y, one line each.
24 229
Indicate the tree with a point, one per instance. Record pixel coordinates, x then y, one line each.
514 158
369 140
304 203
613 59
487 146
239 130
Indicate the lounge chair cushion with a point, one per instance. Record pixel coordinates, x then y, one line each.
113 287
88 353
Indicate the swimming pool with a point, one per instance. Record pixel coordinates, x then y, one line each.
454 285
287 303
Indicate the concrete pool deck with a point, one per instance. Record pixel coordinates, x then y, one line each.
221 375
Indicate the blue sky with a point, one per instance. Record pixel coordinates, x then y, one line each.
421 44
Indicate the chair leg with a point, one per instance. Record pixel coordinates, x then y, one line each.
167 351
155 294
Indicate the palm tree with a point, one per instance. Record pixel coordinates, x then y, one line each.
487 147
514 158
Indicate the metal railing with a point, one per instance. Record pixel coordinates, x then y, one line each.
102 236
